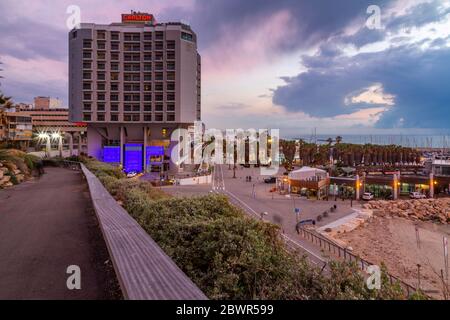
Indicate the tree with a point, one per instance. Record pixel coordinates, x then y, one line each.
288 148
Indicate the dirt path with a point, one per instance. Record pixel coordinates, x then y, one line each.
45 226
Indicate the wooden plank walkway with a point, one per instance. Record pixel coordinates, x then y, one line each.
144 271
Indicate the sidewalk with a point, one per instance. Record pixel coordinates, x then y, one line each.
45 226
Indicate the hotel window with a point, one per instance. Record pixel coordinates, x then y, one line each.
114 56
101 76
87 86
86 117
101 86
170 55
114 107
159 35
159 97
170 44
159 45
101 45
147 97
115 46
87 75
159 86
114 86
159 107
159 56
159 66
101 55
127 107
171 117
170 65
127 117
170 107
147 36
147 117
114 117
148 46
147 87
101 34
136 97
136 117
87 106
87 96
87 55
114 35
147 77
114 97
87 44
114 76
100 65
158 117
187 36
100 107
87 65
159 76
136 108
170 86
101 96
114 66
147 57
100 117
147 107
171 76
147 67
170 97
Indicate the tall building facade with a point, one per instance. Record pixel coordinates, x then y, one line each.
133 83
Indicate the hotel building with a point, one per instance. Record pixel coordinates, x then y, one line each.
133 83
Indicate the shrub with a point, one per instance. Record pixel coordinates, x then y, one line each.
228 254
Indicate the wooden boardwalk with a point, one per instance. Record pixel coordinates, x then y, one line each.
144 271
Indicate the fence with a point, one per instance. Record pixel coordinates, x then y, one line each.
347 256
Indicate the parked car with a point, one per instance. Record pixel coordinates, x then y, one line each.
131 174
270 180
417 195
367 196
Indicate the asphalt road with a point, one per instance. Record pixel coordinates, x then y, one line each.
45 226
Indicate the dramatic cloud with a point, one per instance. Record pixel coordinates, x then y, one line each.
405 77
292 61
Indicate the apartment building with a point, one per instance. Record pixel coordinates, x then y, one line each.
133 83
47 103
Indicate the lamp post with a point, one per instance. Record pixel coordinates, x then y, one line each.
58 137
43 136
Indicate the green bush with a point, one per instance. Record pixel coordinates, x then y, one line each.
228 254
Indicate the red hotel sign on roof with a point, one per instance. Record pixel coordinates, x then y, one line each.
137 18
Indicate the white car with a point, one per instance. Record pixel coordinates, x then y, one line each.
367 196
417 195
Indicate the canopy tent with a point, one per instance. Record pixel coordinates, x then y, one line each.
307 173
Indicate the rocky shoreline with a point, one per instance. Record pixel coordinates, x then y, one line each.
421 209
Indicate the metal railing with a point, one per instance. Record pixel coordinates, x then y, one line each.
346 255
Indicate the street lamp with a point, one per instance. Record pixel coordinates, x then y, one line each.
58 137
43 136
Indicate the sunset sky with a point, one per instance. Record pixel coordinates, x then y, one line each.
287 64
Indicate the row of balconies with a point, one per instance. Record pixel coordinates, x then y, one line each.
147 107
133 117
147 97
131 87
130 77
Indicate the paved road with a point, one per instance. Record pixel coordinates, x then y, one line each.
45 226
